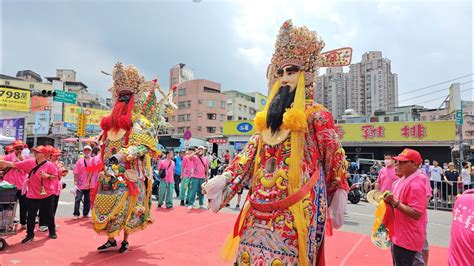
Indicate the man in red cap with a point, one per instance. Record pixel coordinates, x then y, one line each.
409 203
39 189
17 177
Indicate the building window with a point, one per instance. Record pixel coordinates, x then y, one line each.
188 117
222 104
211 103
396 118
211 129
240 118
211 90
199 114
175 80
240 107
211 116
199 128
386 119
221 130
222 117
32 86
188 128
181 118
181 105
188 104
182 92
230 118
199 101
180 130
7 82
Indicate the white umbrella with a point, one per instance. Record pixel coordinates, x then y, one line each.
6 140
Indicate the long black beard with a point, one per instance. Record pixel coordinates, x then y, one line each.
282 100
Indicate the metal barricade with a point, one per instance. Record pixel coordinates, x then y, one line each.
444 194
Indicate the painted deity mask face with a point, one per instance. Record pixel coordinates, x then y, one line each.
288 76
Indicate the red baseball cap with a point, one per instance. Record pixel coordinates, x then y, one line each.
409 155
41 149
18 143
56 152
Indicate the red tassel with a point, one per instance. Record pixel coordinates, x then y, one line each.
132 188
105 123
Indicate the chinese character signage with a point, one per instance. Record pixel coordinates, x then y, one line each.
14 100
14 127
403 132
217 140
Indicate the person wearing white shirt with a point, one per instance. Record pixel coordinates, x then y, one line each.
435 178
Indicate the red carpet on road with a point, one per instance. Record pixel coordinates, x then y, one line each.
178 237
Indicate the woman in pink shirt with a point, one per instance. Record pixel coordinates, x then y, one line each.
39 189
186 173
166 183
409 203
461 246
17 177
201 168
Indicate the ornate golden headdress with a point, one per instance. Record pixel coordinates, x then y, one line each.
297 46
302 47
126 79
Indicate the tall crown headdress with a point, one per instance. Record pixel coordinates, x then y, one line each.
126 79
302 47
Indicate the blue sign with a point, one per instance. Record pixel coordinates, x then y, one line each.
263 101
244 127
239 145
89 128
188 135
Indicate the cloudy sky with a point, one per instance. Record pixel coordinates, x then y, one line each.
231 42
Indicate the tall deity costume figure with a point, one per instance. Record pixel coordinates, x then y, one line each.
122 197
294 164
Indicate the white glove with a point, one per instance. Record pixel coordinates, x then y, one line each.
213 190
338 208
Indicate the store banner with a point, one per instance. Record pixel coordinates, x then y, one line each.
14 99
402 132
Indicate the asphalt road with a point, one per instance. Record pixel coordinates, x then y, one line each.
358 219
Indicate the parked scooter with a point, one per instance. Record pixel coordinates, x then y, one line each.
355 193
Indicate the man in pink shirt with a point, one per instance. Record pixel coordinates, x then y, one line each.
167 183
96 161
17 177
188 169
82 181
387 174
461 246
39 189
201 168
409 203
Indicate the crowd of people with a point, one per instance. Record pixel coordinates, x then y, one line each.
183 174
38 180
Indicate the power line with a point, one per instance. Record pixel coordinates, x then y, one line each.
434 99
434 85
404 100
